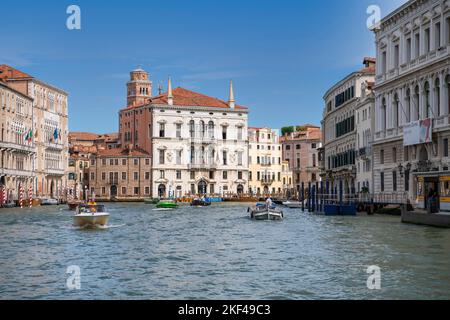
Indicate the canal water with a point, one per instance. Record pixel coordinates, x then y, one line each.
218 253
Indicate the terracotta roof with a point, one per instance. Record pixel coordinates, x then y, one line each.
7 72
86 136
118 152
185 97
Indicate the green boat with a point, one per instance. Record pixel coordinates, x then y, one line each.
151 201
166 205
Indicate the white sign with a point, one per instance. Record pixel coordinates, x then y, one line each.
418 132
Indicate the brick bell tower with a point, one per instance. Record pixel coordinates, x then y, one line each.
139 88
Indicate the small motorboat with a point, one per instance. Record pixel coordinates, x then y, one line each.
262 212
49 202
73 205
9 204
89 215
200 203
293 204
167 205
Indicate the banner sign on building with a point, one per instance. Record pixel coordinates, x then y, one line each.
417 132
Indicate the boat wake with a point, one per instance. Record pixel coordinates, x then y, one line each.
96 227
163 209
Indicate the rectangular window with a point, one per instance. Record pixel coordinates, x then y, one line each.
92 176
161 156
394 181
178 130
211 189
179 155
394 155
136 162
225 175
147 176
417 45
147 162
124 176
437 35
192 175
136 191
178 175
240 158
224 158
427 40
445 148
103 190
447 27
408 49
381 156
162 130
211 175
103 176
224 133
136 176
383 62
239 133
147 190
124 162
396 56
124 191
382 181
240 175
111 162
162 174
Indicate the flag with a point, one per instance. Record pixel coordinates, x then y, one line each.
30 136
26 137
55 134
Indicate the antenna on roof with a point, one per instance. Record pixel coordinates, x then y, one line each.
160 88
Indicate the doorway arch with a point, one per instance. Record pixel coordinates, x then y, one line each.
240 189
202 187
162 191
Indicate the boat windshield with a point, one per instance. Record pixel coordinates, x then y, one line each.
92 209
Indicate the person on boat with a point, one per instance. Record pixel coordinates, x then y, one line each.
269 202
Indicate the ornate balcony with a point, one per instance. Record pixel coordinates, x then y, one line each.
17 147
202 166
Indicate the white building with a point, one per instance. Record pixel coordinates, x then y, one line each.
412 86
365 122
199 144
339 130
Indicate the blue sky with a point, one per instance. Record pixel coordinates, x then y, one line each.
281 54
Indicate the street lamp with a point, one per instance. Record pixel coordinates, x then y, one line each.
400 169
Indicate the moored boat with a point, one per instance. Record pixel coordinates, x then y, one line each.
200 203
90 216
292 204
262 212
49 202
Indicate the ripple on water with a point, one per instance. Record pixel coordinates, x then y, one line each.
218 253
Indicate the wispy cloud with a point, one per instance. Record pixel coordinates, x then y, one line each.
218 75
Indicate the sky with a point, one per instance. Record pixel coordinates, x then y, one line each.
282 55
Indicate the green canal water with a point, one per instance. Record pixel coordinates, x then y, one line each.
219 253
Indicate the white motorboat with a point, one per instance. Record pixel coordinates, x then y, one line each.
293 204
262 212
90 215
49 202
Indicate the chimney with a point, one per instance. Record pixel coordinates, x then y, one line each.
169 93
369 62
231 102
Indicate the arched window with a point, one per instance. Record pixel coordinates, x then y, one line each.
192 128
211 129
447 92
416 103
202 128
395 115
383 115
437 97
427 105
192 155
408 105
